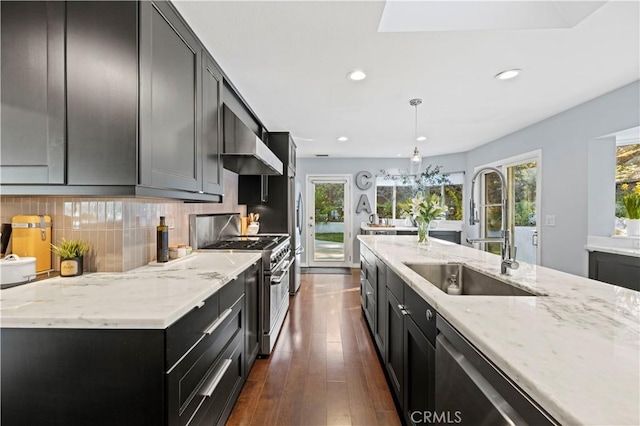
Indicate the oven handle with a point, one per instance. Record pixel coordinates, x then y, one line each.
277 278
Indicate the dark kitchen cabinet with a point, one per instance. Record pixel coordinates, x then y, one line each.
211 126
252 281
380 328
189 373
170 100
419 362
33 93
616 269
394 350
108 98
102 93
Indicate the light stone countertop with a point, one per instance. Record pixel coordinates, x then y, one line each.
575 351
150 297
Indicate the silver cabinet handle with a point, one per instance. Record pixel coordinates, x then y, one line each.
217 378
429 315
200 305
217 322
403 310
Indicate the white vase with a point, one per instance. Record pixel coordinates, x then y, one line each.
633 227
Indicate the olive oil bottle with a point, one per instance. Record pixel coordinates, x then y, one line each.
162 243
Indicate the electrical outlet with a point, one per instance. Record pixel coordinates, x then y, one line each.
550 220
636 243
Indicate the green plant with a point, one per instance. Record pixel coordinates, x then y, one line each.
70 249
631 201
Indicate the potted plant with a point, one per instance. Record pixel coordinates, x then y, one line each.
631 203
71 256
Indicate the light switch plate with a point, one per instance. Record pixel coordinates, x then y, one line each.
550 220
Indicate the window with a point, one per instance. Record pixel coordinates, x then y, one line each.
391 191
627 178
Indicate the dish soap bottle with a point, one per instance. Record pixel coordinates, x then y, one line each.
162 243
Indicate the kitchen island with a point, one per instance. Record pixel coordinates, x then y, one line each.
168 344
574 348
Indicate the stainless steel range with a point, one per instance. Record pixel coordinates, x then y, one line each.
222 232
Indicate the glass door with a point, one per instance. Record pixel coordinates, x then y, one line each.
523 198
329 224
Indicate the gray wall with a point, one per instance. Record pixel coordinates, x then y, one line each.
564 140
319 166
577 172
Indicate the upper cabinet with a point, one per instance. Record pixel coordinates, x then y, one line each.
211 126
137 111
102 92
170 99
33 93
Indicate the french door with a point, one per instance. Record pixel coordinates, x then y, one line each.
329 220
523 196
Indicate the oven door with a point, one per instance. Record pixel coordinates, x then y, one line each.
276 306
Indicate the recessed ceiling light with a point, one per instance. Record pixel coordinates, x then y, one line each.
399 155
356 75
421 138
508 74
343 138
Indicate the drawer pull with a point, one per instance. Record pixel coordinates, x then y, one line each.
217 322
200 305
429 315
217 378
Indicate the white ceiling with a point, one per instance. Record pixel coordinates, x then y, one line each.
289 59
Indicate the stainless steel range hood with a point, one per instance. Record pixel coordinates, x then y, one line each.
244 152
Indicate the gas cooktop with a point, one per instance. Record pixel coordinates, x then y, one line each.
254 242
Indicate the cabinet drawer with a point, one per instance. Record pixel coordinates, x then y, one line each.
231 292
395 284
224 384
421 313
186 381
184 333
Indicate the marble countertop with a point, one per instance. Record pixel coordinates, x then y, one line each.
576 350
148 297
615 250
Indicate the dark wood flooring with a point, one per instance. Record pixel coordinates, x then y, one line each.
324 369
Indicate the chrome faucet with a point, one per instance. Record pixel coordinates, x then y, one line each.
507 249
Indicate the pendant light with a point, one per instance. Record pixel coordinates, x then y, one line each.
416 159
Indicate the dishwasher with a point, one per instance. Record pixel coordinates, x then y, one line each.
472 390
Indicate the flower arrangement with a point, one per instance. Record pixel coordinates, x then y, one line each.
631 201
423 210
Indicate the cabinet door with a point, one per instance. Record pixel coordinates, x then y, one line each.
381 306
33 93
419 374
102 92
394 348
170 131
252 281
211 126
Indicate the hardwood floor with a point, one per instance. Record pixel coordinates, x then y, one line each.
324 369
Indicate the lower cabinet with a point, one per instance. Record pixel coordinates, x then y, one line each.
615 269
189 374
410 354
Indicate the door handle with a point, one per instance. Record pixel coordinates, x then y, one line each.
534 238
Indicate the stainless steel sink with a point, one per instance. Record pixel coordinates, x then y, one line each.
472 282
